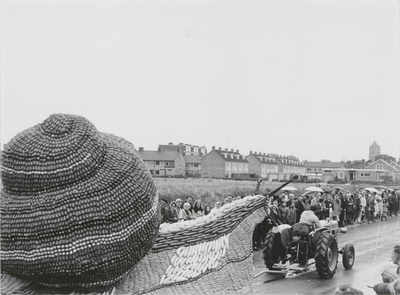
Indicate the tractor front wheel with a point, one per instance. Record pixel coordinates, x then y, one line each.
348 256
326 255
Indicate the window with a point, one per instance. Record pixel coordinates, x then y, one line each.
205 172
340 174
167 163
157 172
379 166
365 174
157 162
328 171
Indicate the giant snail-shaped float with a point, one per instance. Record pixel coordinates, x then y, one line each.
80 214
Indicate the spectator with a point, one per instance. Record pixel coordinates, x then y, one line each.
350 209
320 212
292 215
164 203
189 199
274 215
217 206
186 213
363 204
378 206
370 208
385 208
171 215
198 209
336 206
207 209
328 203
284 218
343 209
179 206
391 201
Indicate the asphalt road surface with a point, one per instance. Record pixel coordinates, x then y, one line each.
373 244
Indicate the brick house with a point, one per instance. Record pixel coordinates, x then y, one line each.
193 165
163 163
223 163
288 166
263 165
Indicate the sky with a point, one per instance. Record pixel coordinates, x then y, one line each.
313 79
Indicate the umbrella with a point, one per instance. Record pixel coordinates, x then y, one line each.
314 189
384 187
371 189
289 188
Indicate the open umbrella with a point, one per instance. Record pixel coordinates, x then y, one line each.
384 187
314 189
371 189
289 188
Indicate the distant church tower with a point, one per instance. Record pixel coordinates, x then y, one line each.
374 150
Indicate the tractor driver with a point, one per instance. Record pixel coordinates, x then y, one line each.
309 217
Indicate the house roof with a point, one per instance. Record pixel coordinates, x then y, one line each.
158 156
263 160
394 167
192 159
324 164
231 156
289 164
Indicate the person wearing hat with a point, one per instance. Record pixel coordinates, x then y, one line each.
309 217
179 206
171 215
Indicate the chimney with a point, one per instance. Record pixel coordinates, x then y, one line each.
226 149
251 152
363 164
141 149
232 150
237 151
170 143
213 147
159 149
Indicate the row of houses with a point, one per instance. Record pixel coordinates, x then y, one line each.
188 160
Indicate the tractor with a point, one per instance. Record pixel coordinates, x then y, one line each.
286 246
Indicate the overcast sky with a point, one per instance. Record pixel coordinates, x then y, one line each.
313 79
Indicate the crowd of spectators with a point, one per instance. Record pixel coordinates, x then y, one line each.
361 206
179 210
346 207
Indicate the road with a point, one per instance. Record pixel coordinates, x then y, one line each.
373 244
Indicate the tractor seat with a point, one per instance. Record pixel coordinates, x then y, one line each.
302 229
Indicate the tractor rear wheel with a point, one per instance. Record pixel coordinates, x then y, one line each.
348 256
271 250
326 255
